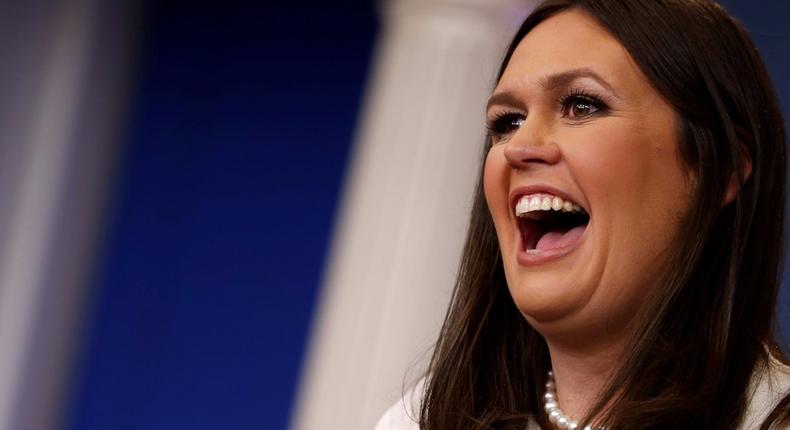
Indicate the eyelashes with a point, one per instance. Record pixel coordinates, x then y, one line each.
576 106
504 123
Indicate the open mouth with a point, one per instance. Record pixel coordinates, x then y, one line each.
549 222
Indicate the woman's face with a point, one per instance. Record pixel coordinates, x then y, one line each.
584 179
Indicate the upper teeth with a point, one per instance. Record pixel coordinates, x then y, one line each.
534 203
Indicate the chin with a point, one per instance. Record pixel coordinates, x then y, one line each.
555 288
546 298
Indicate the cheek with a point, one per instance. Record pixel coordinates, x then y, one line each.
495 182
496 177
631 173
639 190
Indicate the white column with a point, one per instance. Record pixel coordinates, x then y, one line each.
68 90
406 205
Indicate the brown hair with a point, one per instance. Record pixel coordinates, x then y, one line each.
704 334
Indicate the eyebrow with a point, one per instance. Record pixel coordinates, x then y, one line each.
561 79
549 83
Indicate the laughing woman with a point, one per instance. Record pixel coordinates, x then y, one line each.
623 258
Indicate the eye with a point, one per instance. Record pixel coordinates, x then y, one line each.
581 106
504 124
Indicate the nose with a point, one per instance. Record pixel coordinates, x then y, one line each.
530 146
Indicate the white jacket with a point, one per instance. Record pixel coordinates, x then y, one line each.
766 392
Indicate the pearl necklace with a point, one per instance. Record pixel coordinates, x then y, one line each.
556 416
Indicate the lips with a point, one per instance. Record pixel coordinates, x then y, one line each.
550 224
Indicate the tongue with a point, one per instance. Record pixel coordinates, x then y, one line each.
558 239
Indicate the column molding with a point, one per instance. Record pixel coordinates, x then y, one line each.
405 208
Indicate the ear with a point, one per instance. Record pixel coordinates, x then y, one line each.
733 188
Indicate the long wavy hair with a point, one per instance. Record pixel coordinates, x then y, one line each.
710 328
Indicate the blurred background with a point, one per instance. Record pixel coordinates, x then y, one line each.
241 214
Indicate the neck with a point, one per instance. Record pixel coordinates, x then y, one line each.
581 374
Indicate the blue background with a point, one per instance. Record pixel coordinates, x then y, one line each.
238 136
241 123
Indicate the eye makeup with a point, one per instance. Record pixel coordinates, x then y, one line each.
502 124
581 104
575 104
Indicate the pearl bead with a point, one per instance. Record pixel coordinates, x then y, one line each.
552 408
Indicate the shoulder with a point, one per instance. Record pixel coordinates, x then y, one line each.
404 414
770 383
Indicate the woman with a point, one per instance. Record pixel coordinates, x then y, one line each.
623 259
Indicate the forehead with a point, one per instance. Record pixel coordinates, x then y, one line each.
571 39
